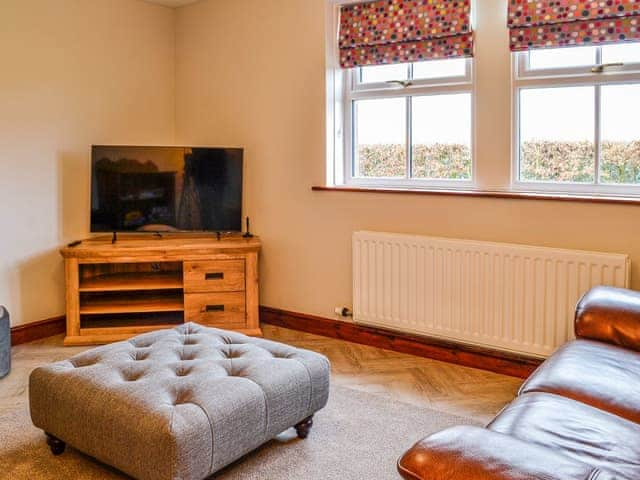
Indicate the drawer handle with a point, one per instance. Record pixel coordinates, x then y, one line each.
212 308
214 276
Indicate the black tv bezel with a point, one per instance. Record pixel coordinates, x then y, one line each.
172 232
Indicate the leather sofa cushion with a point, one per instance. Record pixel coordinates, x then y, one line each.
579 431
610 315
601 375
465 453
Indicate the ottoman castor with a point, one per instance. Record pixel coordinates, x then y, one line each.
178 404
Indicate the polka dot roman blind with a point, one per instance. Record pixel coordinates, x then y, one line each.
401 31
562 23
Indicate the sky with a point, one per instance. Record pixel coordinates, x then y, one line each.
436 118
556 114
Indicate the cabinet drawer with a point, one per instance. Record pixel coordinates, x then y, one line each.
222 310
214 276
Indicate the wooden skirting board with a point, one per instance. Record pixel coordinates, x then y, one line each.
460 354
468 355
37 330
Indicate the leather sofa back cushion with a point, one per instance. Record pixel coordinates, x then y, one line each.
601 375
610 315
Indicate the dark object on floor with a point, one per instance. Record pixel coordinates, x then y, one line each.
5 343
576 418
304 427
57 446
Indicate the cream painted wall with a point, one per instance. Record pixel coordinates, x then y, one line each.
74 73
252 73
241 72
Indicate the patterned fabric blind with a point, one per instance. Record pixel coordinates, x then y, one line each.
401 31
561 23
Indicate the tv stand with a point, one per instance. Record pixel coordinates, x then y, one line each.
139 284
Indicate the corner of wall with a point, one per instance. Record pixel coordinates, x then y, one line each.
175 74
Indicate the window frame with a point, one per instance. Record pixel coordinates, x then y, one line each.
525 78
354 90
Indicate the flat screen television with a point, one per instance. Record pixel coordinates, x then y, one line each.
166 189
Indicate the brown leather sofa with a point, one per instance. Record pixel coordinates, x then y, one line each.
576 417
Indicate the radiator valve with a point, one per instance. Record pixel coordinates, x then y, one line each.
344 312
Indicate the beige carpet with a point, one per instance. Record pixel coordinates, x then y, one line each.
358 435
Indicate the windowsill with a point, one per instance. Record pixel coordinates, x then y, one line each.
562 197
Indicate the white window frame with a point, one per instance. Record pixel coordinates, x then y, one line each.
423 87
343 89
526 78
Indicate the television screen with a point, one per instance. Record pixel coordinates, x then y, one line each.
165 189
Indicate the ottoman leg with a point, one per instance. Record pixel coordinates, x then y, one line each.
304 427
57 446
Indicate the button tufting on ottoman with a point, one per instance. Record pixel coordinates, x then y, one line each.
178 404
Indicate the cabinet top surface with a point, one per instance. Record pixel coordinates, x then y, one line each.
129 245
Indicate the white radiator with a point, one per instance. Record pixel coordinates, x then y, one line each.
511 297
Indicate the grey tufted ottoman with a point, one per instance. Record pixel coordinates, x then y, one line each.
178 404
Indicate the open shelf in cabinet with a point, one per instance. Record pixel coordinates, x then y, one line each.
118 282
115 277
128 323
131 302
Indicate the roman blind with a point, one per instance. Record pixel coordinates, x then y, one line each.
561 23
401 31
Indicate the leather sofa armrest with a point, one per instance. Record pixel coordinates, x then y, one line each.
473 453
610 315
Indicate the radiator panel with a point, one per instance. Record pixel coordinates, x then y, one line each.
511 297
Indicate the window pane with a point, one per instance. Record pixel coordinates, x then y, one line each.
562 57
384 73
620 134
557 134
624 52
380 138
442 137
440 68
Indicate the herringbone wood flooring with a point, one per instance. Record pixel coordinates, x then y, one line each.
449 388
420 381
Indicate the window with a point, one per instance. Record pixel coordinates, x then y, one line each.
576 119
400 101
409 125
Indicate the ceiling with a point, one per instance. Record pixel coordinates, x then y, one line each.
173 3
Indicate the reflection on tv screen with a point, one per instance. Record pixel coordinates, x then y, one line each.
163 189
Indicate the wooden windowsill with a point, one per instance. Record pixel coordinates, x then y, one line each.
488 194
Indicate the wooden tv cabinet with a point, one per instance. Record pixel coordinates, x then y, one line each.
139 284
